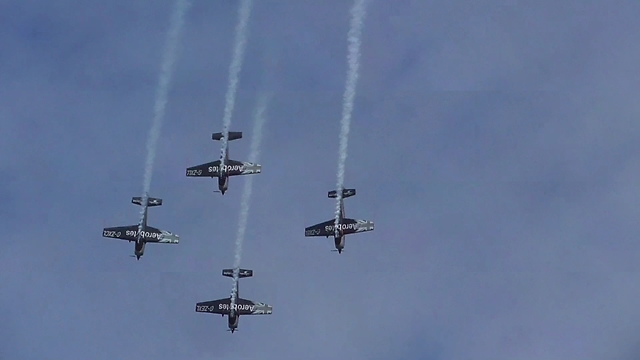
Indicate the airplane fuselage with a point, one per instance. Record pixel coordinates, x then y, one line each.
140 243
233 322
339 236
139 248
234 317
223 183
223 178
339 242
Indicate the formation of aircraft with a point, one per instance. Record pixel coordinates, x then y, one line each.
233 306
344 226
240 307
225 167
141 233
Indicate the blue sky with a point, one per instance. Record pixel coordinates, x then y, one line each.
494 144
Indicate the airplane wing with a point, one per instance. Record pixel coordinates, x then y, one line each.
156 235
210 169
121 232
322 229
352 226
242 307
149 234
348 226
235 168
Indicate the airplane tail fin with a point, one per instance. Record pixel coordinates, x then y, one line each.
233 135
345 193
242 273
150 201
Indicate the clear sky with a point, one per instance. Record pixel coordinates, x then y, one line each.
494 144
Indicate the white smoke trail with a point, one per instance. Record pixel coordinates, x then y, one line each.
168 59
234 69
259 120
358 12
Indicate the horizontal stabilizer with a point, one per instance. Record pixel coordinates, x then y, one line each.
345 193
150 201
233 135
242 273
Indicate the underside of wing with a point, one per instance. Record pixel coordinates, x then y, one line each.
121 232
241 307
255 308
156 235
210 169
356 225
322 229
220 306
235 168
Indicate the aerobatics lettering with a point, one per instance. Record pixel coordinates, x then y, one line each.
144 234
329 228
194 172
226 168
111 234
235 307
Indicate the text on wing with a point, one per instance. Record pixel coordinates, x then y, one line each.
329 228
226 168
144 234
224 306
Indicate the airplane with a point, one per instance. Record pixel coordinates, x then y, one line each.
141 233
241 306
224 168
345 226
